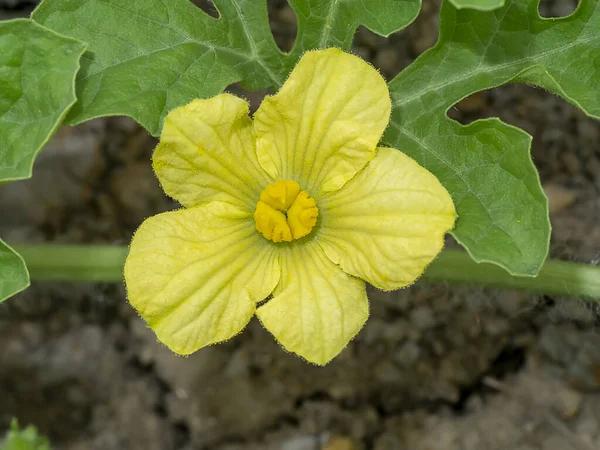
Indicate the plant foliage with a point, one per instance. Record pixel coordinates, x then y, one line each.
146 57
14 276
37 72
25 439
486 165
37 88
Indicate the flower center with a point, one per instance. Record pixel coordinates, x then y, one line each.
284 212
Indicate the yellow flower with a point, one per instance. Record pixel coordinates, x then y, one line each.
299 203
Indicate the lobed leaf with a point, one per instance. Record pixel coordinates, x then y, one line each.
332 23
37 88
486 166
13 274
37 73
147 57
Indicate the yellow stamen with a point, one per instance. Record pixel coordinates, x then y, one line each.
284 212
272 223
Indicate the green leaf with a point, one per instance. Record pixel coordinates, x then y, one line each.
147 57
486 166
13 273
26 439
37 87
332 23
481 5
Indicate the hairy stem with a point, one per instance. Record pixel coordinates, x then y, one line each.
105 263
563 278
74 262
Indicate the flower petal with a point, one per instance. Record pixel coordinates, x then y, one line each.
317 308
388 223
324 124
195 274
207 152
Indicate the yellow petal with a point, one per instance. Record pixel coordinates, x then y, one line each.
207 152
316 308
388 223
324 124
195 274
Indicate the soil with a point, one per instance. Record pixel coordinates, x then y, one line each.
435 368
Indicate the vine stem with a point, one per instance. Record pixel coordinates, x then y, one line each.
105 263
74 262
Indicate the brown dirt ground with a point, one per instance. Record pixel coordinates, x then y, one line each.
435 368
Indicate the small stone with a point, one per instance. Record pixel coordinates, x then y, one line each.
300 443
568 402
386 372
341 391
238 364
472 440
496 326
512 303
438 347
557 443
592 167
587 129
396 331
554 345
408 354
340 443
422 318
571 162
387 441
559 197
366 423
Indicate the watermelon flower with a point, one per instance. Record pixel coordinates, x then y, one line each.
297 206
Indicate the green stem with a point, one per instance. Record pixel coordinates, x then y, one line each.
74 262
563 278
105 263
